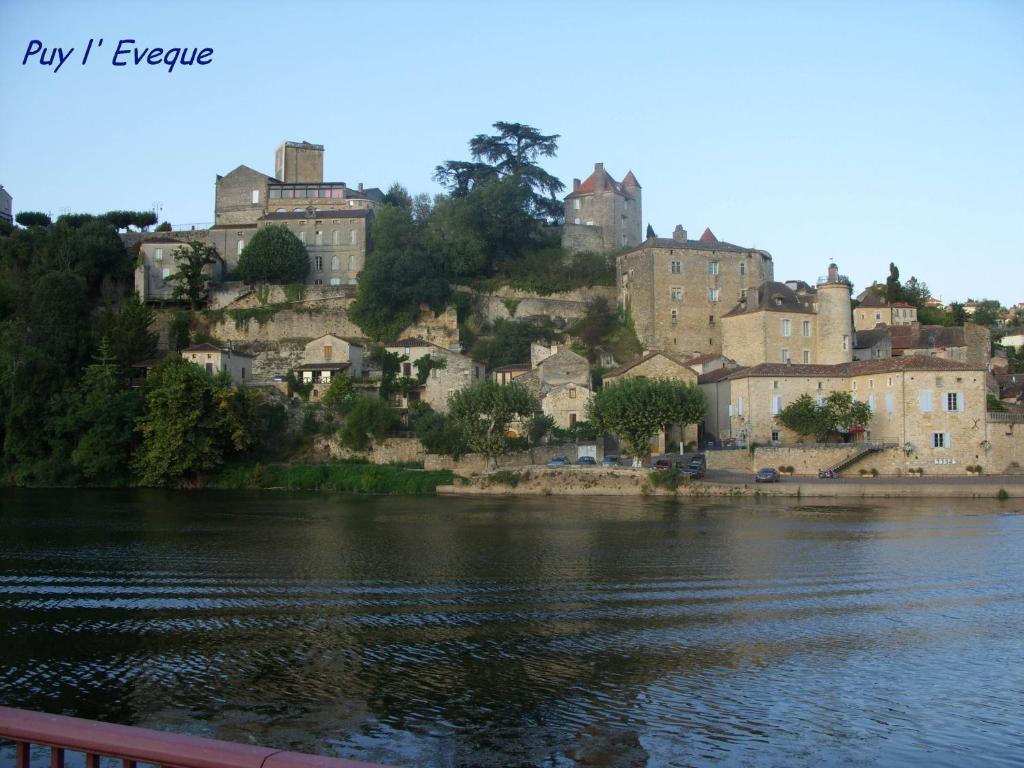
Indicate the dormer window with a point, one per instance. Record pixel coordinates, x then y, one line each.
778 301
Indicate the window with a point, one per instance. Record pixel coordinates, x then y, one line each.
853 386
871 383
335 263
576 205
739 405
335 281
572 420
730 409
166 273
318 263
407 369
711 320
871 403
318 281
785 326
807 357
255 197
576 220
159 255
319 237
743 268
209 367
675 316
775 385
302 237
846 342
775 436
925 401
954 402
336 236
712 267
776 404
940 440
713 294
675 293
352 237
572 392
878 315
785 355
890 402
888 382
807 328
241 245
677 267
328 351
623 238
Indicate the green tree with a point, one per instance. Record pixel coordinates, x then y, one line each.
987 312
192 422
191 281
510 342
893 288
836 414
512 152
102 420
399 278
274 255
369 419
957 312
485 412
165 226
340 396
636 408
32 219
128 332
398 196
436 431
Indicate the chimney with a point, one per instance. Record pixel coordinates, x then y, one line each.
360 186
679 233
833 273
598 167
575 185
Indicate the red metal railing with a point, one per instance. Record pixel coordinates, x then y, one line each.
140 745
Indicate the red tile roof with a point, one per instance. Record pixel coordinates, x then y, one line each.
601 181
629 180
708 236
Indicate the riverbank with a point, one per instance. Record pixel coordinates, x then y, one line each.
344 476
541 481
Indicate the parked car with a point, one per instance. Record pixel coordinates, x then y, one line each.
610 461
767 475
661 464
559 461
698 462
586 461
694 473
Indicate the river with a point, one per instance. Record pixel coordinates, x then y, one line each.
525 632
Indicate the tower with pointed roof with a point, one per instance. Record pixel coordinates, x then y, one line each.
602 215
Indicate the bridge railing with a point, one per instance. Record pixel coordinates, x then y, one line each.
134 745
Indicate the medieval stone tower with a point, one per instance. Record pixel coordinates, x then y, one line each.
601 214
299 161
835 320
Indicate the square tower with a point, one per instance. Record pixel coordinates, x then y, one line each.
299 161
602 215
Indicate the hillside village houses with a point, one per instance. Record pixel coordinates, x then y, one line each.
238 365
706 312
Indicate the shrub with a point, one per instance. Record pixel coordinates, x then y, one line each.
508 477
1002 495
669 479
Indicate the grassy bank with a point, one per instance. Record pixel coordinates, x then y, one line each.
350 477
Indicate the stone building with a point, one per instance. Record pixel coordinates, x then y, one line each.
328 356
874 310
566 404
6 206
934 410
601 214
157 261
299 161
459 372
677 289
775 323
214 360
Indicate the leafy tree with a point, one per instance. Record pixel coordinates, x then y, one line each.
191 281
837 414
485 412
368 420
597 323
636 408
893 289
510 343
58 320
273 255
126 219
398 196
192 422
165 226
400 276
437 432
987 312
128 333
340 396
512 152
959 315
32 219
102 419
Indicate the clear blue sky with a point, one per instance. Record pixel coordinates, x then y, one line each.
857 132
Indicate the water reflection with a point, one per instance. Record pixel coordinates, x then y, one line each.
524 632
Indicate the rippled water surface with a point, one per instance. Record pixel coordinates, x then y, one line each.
548 632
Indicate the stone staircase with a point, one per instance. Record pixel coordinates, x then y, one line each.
866 450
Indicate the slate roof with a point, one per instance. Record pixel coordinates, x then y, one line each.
719 374
411 341
204 347
773 297
870 338
233 226
872 299
927 336
641 360
696 245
